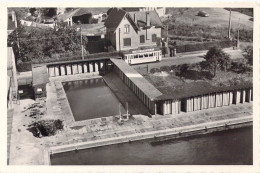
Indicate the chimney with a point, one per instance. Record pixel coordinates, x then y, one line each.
13 16
135 18
148 21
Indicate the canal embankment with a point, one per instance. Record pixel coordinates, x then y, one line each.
179 132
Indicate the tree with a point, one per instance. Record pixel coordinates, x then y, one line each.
248 54
183 69
39 43
215 59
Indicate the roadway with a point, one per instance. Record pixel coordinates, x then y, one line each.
182 58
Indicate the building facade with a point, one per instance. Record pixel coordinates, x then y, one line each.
132 30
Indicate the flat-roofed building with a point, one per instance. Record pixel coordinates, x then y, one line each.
40 78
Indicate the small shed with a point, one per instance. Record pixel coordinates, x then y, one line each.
40 79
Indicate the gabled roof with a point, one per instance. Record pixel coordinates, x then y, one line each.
116 15
141 18
39 75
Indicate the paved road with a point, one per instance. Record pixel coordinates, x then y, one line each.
181 58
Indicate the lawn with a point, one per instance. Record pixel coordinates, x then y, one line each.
184 22
196 82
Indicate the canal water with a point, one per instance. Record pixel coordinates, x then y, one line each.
232 147
91 98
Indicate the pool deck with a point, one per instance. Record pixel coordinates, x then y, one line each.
27 149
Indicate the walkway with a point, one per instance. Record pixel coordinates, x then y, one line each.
124 94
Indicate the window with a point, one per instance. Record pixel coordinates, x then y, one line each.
141 38
39 90
154 38
127 41
127 28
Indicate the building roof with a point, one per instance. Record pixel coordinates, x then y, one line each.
141 18
116 15
130 9
96 29
39 75
144 85
80 12
197 89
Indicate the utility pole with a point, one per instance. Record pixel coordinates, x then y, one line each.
81 42
238 33
229 26
167 32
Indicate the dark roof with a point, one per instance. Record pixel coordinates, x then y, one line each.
197 89
93 11
132 9
39 75
96 29
141 18
143 84
115 17
80 12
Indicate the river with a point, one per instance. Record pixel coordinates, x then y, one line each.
232 147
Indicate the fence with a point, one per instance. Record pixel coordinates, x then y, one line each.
27 66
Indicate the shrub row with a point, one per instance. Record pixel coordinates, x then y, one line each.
203 46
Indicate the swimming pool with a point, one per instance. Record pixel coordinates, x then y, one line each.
91 99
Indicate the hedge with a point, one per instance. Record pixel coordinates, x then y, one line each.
203 46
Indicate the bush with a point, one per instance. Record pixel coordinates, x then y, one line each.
165 68
46 127
203 46
240 67
154 70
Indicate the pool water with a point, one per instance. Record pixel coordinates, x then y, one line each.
91 98
232 147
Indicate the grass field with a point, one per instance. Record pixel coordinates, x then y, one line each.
218 17
196 82
185 22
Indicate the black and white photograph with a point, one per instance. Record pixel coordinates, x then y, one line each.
130 85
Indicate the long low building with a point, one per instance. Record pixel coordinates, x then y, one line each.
63 68
186 99
142 88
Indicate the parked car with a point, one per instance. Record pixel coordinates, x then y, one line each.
203 14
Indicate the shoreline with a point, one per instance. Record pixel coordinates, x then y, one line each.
174 133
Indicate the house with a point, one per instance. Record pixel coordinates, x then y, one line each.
84 15
12 22
159 10
95 34
133 30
